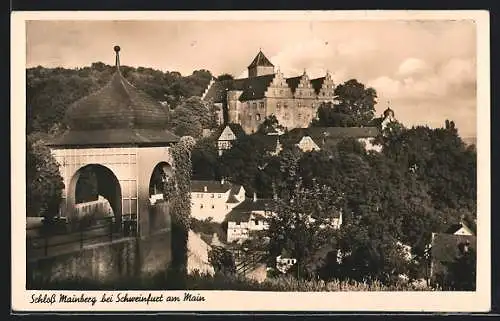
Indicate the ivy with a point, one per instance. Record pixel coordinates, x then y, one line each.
180 205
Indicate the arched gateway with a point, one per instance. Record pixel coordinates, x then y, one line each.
120 132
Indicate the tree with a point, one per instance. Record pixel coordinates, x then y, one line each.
242 163
223 77
205 160
270 125
44 184
462 271
222 260
354 106
191 117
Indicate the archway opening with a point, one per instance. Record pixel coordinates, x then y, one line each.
161 175
95 190
161 179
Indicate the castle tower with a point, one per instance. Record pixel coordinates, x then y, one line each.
260 66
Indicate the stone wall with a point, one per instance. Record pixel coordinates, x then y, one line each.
100 262
106 262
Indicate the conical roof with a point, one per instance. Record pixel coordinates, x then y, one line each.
119 113
260 60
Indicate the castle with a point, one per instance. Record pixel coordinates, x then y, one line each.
248 101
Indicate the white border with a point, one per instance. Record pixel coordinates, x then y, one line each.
477 301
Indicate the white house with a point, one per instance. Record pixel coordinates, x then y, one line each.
228 135
250 215
214 199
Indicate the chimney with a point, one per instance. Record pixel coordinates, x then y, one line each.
254 197
205 189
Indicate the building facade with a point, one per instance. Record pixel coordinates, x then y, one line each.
214 199
248 101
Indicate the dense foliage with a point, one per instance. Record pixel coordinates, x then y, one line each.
44 184
49 91
180 205
354 106
220 281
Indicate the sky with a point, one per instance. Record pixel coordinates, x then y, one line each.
425 70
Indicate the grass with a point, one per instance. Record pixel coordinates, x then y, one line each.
173 281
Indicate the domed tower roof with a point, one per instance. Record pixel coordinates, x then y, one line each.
388 112
118 113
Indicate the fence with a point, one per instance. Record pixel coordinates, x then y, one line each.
60 236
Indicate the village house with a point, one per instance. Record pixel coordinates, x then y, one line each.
214 199
247 217
227 136
265 92
317 138
446 247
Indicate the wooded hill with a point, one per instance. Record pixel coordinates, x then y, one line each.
49 91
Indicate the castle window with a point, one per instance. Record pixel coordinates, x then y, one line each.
257 117
250 117
285 105
261 104
254 105
278 106
219 195
213 206
213 195
201 205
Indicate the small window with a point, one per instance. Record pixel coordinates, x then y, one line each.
213 195
201 205
255 105
299 104
219 195
213 206
250 117
285 105
261 104
227 207
257 117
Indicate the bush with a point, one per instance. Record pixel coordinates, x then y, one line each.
173 279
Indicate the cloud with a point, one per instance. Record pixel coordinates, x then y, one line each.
413 66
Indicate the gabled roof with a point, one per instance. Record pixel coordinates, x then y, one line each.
293 82
255 87
242 212
236 129
260 60
317 83
212 186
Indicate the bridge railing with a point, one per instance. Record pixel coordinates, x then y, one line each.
53 238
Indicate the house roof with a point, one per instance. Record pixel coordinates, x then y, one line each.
118 106
445 246
318 133
107 137
241 212
235 128
293 82
260 60
455 227
317 83
255 87
212 186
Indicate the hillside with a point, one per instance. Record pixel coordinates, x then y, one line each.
49 91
